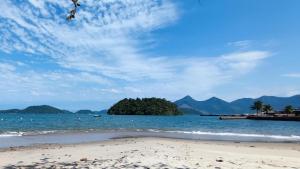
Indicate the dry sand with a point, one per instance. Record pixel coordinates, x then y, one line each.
154 153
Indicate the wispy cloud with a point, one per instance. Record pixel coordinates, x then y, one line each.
104 38
102 52
292 75
244 44
198 76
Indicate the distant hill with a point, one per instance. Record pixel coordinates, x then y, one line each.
45 109
278 103
190 111
37 109
145 106
85 112
187 105
102 111
90 112
10 111
211 106
218 106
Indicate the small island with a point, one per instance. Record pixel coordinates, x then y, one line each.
42 109
85 112
145 106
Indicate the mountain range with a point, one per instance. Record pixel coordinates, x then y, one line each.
188 105
48 109
218 106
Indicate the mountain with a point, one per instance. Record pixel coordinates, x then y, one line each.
190 111
90 112
37 109
10 111
278 103
218 106
45 109
211 106
102 111
188 105
85 112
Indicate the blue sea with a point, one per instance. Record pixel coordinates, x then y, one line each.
29 129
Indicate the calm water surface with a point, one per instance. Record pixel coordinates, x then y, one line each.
19 126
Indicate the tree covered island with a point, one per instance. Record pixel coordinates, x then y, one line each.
145 106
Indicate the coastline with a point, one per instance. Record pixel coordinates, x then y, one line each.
77 137
150 152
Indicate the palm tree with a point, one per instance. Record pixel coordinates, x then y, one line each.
288 109
267 108
257 105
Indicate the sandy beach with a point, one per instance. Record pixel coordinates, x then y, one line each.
154 153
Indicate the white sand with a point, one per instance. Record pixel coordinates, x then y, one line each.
155 153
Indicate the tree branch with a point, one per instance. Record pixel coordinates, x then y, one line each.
74 10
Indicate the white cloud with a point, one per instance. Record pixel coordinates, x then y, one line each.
292 75
101 52
16 84
198 76
103 39
185 76
243 61
244 44
5 67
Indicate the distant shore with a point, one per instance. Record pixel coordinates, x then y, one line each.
154 153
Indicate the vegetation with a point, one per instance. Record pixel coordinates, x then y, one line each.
267 108
146 106
258 105
288 109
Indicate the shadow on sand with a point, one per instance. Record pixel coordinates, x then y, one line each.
96 163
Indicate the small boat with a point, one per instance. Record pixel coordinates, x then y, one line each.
97 115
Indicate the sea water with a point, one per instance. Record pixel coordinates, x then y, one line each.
27 129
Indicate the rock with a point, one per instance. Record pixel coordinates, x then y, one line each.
219 160
83 159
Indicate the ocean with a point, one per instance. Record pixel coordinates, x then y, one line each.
29 129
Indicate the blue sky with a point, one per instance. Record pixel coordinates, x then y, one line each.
146 48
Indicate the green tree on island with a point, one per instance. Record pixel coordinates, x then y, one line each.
288 109
146 106
267 108
257 105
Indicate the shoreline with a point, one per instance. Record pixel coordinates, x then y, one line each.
55 145
76 137
152 152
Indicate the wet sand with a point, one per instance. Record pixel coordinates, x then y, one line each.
154 153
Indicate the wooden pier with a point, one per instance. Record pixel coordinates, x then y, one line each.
233 117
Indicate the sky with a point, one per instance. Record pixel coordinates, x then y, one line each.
117 49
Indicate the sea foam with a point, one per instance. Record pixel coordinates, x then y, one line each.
280 137
11 134
235 135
